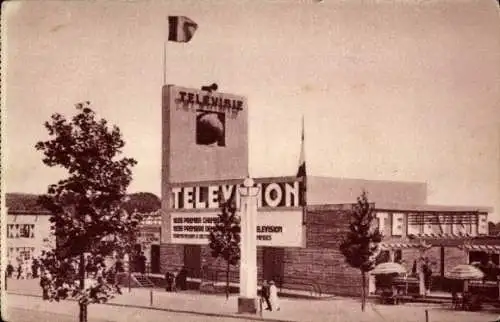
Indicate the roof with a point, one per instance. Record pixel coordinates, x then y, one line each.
23 203
388 207
332 190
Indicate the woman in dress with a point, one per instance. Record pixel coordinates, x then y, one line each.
273 296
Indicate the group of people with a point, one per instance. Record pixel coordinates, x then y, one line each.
269 296
176 280
25 269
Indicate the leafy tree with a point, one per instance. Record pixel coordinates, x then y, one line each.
87 216
225 238
142 202
361 244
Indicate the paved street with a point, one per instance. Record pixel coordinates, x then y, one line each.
98 313
131 306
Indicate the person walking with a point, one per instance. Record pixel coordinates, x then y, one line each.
273 296
10 270
19 271
426 268
265 295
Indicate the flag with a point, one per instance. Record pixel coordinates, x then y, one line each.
301 173
302 159
180 28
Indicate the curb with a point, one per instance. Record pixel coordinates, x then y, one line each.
222 315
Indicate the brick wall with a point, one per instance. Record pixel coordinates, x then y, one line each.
320 262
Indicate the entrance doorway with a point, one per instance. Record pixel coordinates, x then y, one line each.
155 259
272 264
192 260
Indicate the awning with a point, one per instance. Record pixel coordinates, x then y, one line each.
441 236
402 245
481 248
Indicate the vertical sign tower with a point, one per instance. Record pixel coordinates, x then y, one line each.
205 138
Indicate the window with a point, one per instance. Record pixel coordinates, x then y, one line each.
383 257
21 231
25 254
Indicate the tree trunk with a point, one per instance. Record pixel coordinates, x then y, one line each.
227 281
83 306
363 290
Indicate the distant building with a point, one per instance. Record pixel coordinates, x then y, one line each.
28 234
148 241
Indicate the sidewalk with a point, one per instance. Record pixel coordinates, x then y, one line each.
292 309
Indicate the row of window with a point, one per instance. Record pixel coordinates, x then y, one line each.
20 231
22 253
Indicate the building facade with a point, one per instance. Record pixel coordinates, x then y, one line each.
28 234
204 161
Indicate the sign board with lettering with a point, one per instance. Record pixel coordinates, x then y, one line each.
434 223
148 237
274 228
204 135
195 205
277 194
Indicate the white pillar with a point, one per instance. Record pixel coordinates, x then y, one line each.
247 301
371 284
421 277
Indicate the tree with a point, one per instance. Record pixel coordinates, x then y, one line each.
142 202
225 238
87 219
361 244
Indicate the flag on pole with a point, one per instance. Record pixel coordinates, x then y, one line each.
180 28
301 173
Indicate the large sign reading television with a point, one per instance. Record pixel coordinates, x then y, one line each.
194 209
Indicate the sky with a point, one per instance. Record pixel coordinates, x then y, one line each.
389 90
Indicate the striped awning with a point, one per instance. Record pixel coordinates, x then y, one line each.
403 245
441 236
481 248
465 272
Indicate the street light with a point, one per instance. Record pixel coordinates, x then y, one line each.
247 301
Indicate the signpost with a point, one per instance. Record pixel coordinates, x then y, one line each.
247 301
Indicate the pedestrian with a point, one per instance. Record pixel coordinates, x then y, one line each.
182 279
426 268
34 268
175 278
273 296
27 269
19 271
10 270
170 281
265 295
44 283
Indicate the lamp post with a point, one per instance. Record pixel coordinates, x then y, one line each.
247 301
